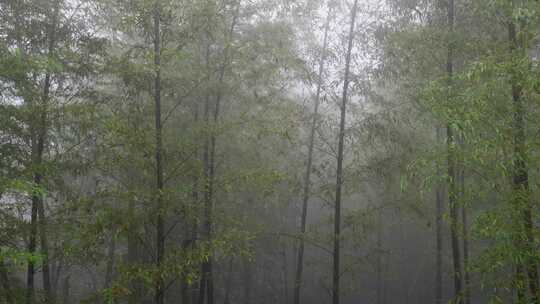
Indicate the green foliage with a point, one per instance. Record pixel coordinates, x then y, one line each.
20 258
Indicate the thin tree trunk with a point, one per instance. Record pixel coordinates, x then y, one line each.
438 234
187 295
65 290
405 276
524 235
379 258
133 258
110 261
32 250
57 271
36 158
184 287
466 273
4 277
45 253
206 266
285 277
307 178
210 295
38 149
228 284
247 282
340 156
160 223
210 152
202 286
465 232
452 164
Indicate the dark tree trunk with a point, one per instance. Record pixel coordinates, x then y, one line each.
465 232
466 273
340 156
307 177
210 161
65 290
56 272
527 270
247 282
4 278
452 167
207 225
160 222
228 284
133 257
210 281
285 277
207 195
202 286
188 293
31 249
39 137
379 266
403 269
109 272
438 234
45 253
184 286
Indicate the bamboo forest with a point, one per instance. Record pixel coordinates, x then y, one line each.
270 151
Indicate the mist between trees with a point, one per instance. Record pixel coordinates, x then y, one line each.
269 151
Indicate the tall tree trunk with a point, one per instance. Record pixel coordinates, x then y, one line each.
133 257
160 222
465 232
188 293
56 272
111 250
379 258
340 156
202 285
452 165
65 290
247 282
228 284
209 158
518 184
405 276
438 233
39 137
206 229
285 276
466 273
184 287
4 278
524 234
31 249
45 253
307 176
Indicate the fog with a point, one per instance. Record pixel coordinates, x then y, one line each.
269 151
